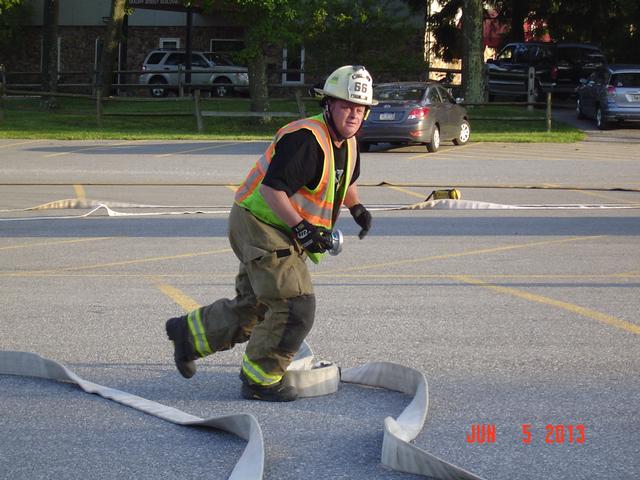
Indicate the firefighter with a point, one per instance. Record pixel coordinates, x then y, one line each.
283 213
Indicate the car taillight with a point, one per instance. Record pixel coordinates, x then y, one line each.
611 91
554 73
418 113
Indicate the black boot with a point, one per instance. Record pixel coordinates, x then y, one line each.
184 353
272 393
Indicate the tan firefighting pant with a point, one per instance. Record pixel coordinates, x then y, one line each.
274 306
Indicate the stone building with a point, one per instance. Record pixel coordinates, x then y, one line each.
153 24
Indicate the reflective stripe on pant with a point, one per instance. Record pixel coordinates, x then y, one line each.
274 306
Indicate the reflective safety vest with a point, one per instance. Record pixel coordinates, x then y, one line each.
314 205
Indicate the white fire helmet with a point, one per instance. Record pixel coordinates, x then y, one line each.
352 83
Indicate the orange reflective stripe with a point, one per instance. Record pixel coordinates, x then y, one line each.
353 154
320 213
316 220
255 176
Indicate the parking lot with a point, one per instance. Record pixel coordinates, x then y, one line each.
522 319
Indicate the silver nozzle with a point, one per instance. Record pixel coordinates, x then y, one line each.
337 240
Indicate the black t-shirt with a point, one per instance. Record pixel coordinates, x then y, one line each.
297 162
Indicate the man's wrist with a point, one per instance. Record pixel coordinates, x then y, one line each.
355 208
296 223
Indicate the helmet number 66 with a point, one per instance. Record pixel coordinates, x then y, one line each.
360 87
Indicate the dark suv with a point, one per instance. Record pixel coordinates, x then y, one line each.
558 68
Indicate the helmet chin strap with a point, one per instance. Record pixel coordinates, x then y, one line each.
331 124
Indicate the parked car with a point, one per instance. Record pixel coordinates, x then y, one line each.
610 94
414 112
162 76
558 68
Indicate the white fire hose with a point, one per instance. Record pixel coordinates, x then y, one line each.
310 380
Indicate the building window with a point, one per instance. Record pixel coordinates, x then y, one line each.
59 47
98 56
293 65
59 50
227 39
169 43
226 45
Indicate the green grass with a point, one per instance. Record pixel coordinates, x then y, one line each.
75 119
521 131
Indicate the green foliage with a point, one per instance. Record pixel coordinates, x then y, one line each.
612 24
373 33
13 14
272 23
448 35
335 32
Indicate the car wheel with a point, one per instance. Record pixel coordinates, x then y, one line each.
434 144
156 90
364 146
579 112
601 123
222 90
464 134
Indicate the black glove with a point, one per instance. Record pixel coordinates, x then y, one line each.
313 239
362 217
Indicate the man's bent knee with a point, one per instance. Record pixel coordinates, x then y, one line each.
302 310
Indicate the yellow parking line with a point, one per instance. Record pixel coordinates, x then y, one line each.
423 155
18 143
58 242
233 188
627 274
187 303
570 307
548 277
430 154
408 192
461 254
116 264
80 193
209 147
600 195
83 149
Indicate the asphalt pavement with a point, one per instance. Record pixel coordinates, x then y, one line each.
524 320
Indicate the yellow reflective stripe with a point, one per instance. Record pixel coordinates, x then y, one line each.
197 331
255 373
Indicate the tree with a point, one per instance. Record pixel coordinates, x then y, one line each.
112 38
272 23
342 31
379 35
13 15
613 24
50 52
473 49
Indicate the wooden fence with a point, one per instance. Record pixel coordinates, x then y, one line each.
200 114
